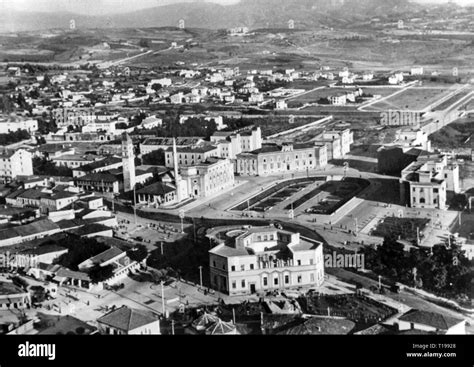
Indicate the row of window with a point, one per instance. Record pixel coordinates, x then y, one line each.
276 281
252 266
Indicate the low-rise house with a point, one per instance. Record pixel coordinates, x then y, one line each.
98 166
105 258
152 144
43 254
100 182
431 321
13 297
129 321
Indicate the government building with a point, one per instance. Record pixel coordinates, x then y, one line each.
262 259
275 159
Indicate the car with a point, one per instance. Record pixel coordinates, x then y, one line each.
139 239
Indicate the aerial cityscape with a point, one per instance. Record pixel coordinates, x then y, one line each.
253 167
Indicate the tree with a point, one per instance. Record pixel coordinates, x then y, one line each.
80 249
44 167
157 157
138 253
101 273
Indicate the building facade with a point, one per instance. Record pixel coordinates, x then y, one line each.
261 259
425 182
275 159
128 159
15 163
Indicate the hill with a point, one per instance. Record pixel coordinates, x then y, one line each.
250 13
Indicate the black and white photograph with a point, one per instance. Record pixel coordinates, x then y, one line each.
287 171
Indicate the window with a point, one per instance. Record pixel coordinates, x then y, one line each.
311 276
251 266
234 285
275 281
300 278
299 262
232 268
214 263
435 191
242 267
265 281
311 261
243 283
287 279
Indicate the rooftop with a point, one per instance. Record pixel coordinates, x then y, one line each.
127 319
436 320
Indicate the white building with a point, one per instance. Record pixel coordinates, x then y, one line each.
281 105
338 99
129 321
128 159
12 124
423 183
416 71
232 143
261 259
338 142
15 163
396 78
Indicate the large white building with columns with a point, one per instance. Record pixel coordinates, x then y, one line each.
262 259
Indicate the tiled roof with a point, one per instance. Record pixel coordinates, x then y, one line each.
158 189
433 319
127 319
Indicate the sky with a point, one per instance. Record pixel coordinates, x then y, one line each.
100 7
93 6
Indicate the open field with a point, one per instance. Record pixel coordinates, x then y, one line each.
413 99
457 135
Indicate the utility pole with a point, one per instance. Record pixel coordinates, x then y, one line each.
200 275
134 205
172 327
163 300
380 282
233 315
181 216
161 245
